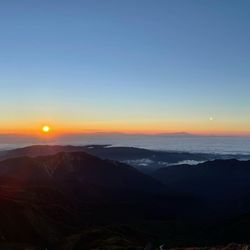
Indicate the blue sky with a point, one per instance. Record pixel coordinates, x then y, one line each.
125 65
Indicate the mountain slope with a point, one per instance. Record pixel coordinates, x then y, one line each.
44 199
79 167
72 198
224 184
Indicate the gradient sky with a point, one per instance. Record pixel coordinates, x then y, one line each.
125 65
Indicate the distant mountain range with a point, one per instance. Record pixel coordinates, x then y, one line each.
144 160
175 142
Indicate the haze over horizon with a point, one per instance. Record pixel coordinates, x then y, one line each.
132 66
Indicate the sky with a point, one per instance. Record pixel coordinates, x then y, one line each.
148 66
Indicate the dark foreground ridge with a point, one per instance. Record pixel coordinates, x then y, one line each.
73 200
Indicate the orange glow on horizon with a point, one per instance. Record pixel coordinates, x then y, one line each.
208 127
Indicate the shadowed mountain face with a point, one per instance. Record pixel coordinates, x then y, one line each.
54 196
44 199
47 198
224 184
77 167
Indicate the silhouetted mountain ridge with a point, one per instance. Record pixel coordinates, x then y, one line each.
79 167
224 184
143 159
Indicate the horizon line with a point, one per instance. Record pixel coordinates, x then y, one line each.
60 134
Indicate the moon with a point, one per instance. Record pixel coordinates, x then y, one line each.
46 128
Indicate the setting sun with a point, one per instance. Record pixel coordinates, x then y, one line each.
46 128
